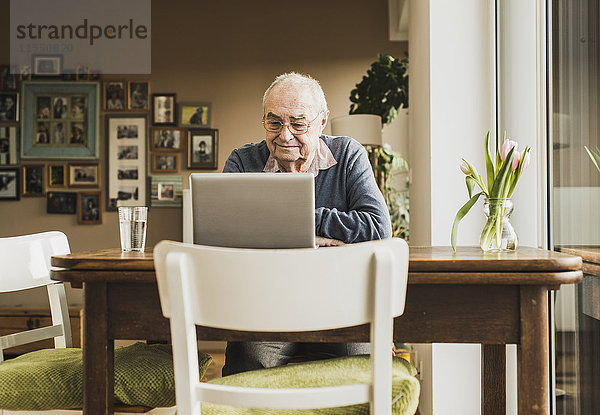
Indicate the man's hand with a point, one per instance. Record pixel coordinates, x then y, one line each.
321 241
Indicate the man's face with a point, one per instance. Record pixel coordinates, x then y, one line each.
291 104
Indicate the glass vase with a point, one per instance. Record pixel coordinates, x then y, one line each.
498 235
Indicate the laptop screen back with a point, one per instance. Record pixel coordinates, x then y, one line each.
253 210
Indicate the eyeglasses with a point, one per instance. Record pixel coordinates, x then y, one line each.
296 127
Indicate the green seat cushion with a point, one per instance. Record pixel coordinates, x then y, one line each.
53 378
332 372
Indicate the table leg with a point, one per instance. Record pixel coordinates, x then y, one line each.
493 379
98 352
533 371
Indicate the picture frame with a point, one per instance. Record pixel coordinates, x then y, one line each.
89 208
203 145
115 95
9 106
82 72
33 182
84 175
9 78
195 114
46 65
60 120
9 145
163 109
126 138
167 138
138 95
165 163
57 175
9 184
64 203
166 191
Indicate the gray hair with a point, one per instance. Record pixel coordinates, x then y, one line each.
300 80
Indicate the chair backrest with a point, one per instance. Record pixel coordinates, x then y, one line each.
26 264
281 290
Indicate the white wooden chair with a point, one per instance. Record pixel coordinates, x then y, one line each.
282 290
26 264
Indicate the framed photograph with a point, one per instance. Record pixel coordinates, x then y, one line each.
194 114
61 202
9 78
9 106
163 109
57 175
9 184
166 191
115 96
138 94
46 65
165 163
60 120
202 149
9 150
127 135
82 72
33 180
84 175
89 208
167 139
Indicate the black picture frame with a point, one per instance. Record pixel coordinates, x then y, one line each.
33 178
9 106
64 203
164 109
138 95
10 184
203 156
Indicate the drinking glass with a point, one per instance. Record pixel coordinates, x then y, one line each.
132 224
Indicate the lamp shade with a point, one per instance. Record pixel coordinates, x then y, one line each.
364 128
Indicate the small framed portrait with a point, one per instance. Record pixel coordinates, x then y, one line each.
82 72
9 78
127 173
138 93
89 208
9 184
57 175
166 191
127 152
167 138
114 96
9 106
202 149
165 163
61 202
163 109
9 153
95 75
46 65
195 114
84 175
33 180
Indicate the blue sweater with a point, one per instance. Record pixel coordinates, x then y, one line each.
348 204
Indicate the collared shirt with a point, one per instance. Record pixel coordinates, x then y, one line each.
323 160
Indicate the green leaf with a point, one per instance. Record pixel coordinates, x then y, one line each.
461 214
470 185
488 163
594 156
501 177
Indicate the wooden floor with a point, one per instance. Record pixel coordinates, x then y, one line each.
214 370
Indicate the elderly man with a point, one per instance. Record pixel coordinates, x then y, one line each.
349 206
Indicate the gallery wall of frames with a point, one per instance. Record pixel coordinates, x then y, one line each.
54 122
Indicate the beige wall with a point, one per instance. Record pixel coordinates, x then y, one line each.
227 53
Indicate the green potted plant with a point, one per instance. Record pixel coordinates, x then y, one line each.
383 91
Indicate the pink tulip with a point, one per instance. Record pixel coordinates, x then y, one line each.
515 160
525 161
506 147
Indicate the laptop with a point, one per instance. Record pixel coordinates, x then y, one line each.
253 210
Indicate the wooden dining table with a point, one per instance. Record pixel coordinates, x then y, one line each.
469 296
